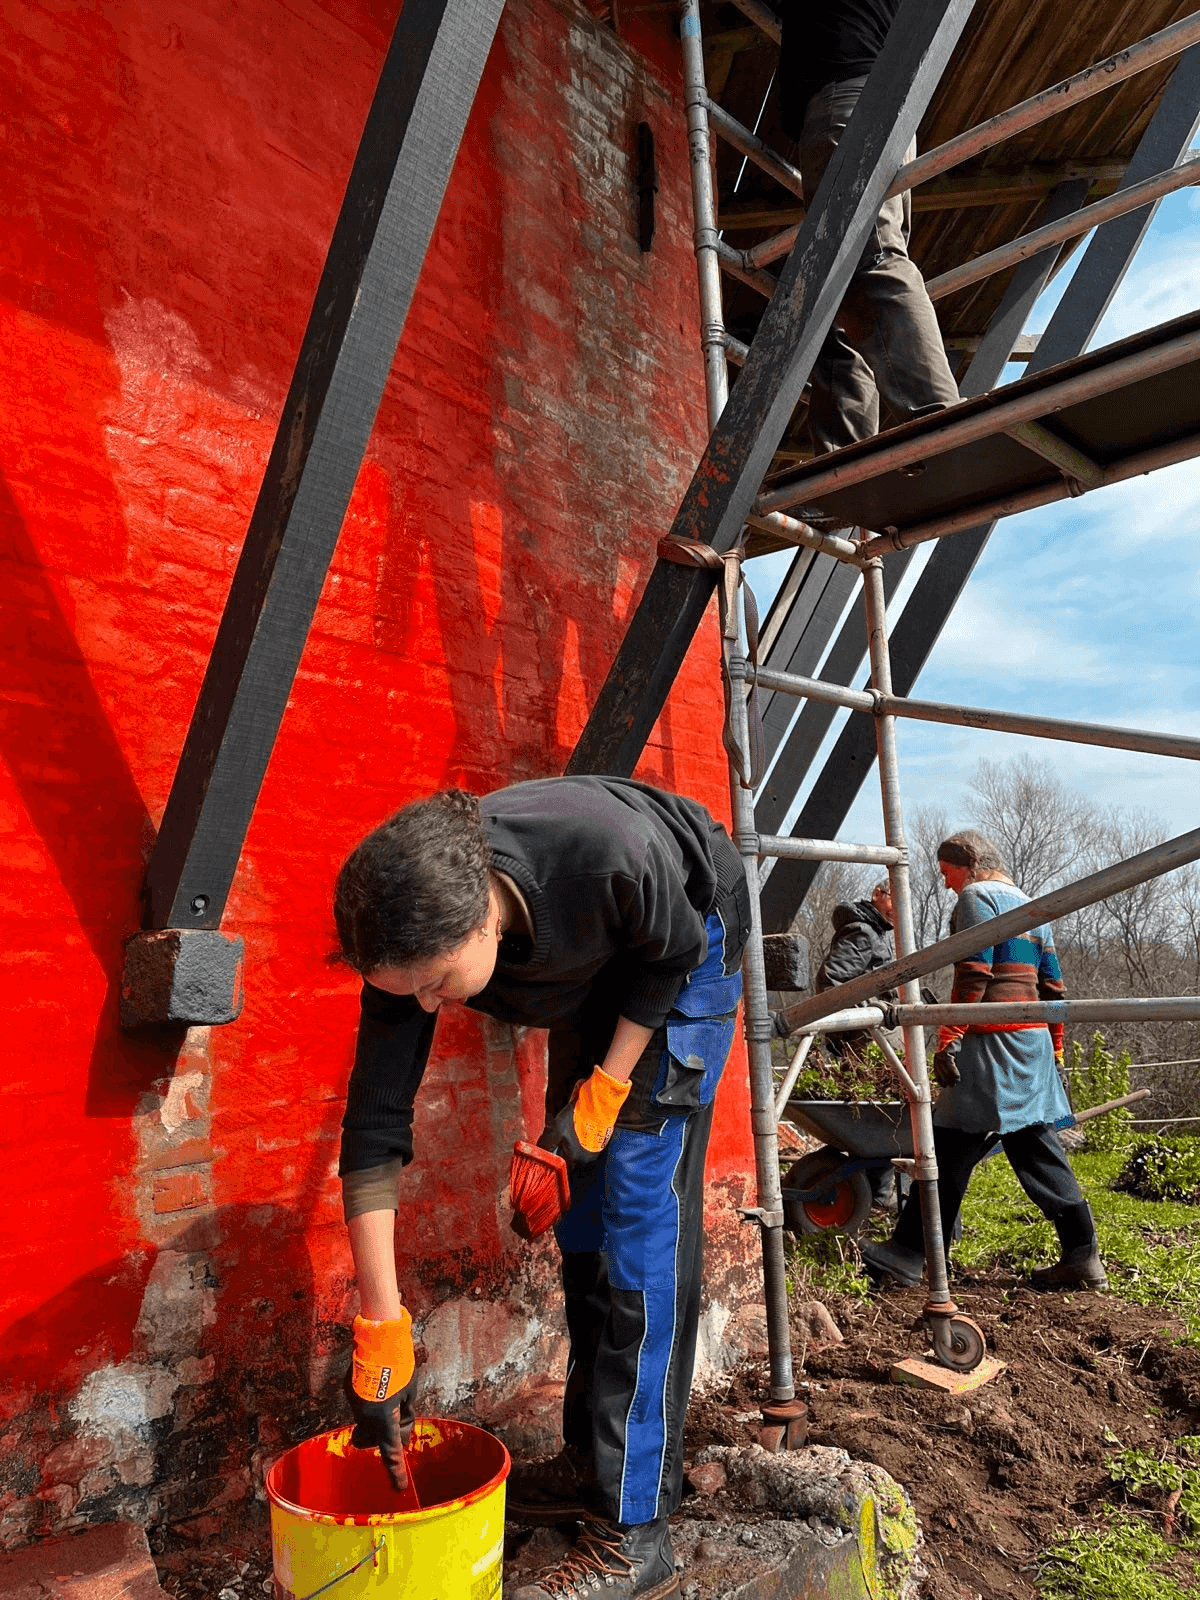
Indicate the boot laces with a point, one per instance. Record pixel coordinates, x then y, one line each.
596 1558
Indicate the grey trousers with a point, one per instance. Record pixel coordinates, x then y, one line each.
885 341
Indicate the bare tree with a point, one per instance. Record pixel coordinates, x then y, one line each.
1041 827
932 902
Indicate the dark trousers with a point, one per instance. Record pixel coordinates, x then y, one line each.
885 341
1037 1158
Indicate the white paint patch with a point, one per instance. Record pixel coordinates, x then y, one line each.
712 1353
145 333
118 1400
173 1112
471 1343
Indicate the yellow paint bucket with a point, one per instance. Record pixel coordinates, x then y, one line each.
338 1528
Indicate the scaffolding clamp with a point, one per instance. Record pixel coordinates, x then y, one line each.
763 1219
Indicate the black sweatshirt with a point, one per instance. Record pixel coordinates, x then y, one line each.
618 878
824 43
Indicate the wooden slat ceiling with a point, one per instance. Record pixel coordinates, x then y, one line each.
1010 50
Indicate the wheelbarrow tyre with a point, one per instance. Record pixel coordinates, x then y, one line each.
843 1210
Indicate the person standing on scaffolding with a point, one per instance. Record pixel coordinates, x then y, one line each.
885 341
998 1079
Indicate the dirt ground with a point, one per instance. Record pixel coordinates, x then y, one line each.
995 1475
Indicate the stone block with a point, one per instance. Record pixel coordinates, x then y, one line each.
786 957
105 1563
184 976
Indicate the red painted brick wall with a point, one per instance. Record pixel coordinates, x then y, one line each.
174 1279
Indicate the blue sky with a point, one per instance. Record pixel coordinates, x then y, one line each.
1085 609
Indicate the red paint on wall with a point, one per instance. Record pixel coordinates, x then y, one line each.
172 174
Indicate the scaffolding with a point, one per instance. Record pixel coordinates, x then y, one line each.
849 517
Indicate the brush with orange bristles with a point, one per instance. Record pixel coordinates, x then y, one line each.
538 1189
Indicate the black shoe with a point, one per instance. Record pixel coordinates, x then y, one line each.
905 1267
559 1489
615 1560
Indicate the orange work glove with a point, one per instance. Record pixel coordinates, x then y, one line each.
379 1387
584 1126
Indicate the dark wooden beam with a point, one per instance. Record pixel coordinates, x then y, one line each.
739 451
408 147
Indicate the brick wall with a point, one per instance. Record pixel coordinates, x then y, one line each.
174 1278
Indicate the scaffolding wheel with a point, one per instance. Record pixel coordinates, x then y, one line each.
958 1342
785 1426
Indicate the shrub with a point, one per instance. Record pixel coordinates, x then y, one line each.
1093 1078
1161 1168
859 1075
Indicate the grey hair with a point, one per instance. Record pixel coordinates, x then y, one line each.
972 850
884 886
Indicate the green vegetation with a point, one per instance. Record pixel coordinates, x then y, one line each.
1162 1168
1129 1559
859 1075
1094 1077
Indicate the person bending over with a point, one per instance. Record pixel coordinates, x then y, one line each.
613 915
885 340
998 1078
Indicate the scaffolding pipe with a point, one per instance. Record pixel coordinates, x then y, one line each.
753 148
899 1070
790 531
997 416
1168 1008
1019 722
871 855
706 237
939 1307
1071 226
1087 891
1135 466
851 1020
788 1081
1114 69
760 1031
734 262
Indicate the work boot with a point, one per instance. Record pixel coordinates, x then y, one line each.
905 1267
1079 1265
619 1560
559 1489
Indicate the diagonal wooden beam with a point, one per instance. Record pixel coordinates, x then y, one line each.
778 364
408 147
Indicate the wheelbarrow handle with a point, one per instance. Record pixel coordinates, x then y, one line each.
1110 1105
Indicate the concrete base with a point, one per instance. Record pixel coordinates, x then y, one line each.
771 1561
190 977
920 1374
107 1563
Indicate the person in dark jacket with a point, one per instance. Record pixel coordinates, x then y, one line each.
613 915
885 340
862 940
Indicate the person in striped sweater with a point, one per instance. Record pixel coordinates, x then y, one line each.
998 1079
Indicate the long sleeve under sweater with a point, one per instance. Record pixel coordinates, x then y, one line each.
618 878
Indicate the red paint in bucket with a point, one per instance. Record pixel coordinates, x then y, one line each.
451 1464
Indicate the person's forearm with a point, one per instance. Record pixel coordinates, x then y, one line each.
628 1042
373 1245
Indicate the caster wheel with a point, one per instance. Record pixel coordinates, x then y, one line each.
958 1343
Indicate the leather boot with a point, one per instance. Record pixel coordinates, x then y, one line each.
559 1489
905 1267
622 1561
1079 1266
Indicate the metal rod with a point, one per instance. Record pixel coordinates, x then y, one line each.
760 1032
792 531
788 1082
1045 494
852 1020
1157 744
1074 896
768 250
736 264
899 1070
919 1101
762 16
705 236
1118 204
735 350
1168 1008
751 146
997 416
814 689
874 855
1114 69
1072 463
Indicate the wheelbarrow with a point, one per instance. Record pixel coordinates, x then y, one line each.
831 1189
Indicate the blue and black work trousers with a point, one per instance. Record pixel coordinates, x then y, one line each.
632 1242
